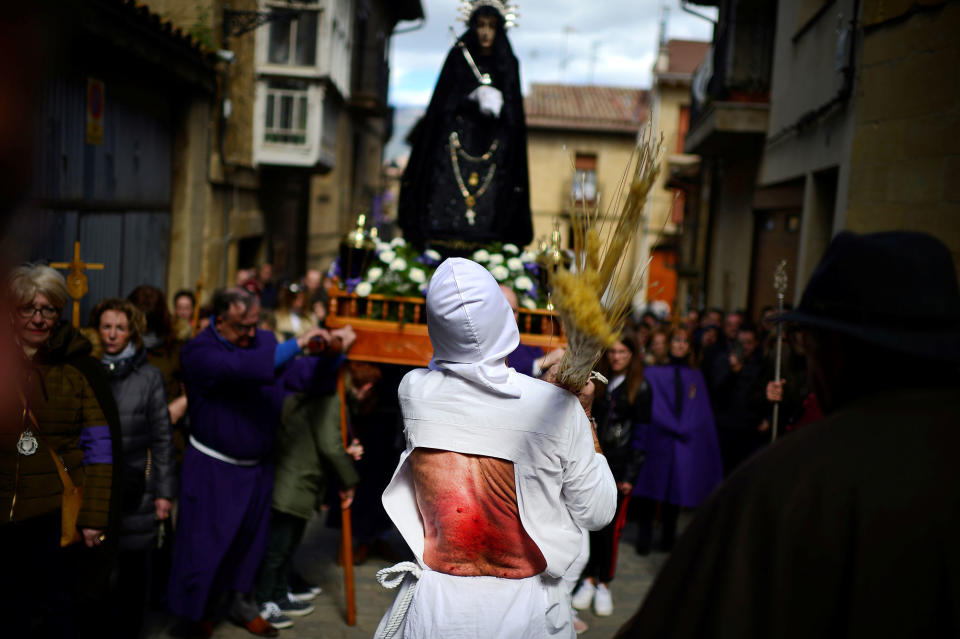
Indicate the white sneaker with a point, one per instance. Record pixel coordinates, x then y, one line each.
603 602
583 595
273 616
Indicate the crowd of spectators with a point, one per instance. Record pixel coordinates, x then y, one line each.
202 440
206 438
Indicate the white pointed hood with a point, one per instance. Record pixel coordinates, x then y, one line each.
471 325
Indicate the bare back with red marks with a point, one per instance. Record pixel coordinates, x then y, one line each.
470 516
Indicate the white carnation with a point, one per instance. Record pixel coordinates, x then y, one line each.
433 255
398 264
496 258
481 256
528 257
500 272
515 264
511 249
387 256
374 274
524 283
398 241
528 303
417 275
363 289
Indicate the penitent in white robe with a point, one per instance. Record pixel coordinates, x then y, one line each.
469 402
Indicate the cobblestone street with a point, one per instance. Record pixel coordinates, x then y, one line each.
317 559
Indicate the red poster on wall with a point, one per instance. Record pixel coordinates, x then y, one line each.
96 102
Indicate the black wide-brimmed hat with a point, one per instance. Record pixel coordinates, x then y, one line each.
897 290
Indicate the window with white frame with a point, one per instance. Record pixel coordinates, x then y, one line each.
285 112
584 186
292 39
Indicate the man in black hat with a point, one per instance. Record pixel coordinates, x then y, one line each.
850 527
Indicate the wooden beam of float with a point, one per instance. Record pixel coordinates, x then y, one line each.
393 330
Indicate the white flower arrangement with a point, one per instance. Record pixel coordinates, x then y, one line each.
363 289
398 241
401 271
417 275
523 282
500 272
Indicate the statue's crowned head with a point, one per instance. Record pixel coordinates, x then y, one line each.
506 12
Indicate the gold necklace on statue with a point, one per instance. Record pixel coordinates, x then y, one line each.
474 179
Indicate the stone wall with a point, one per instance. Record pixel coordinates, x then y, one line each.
906 148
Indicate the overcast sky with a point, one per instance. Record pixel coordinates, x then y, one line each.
608 42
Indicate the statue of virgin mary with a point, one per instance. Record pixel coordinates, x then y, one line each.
466 183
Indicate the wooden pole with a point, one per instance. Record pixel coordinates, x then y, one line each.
195 320
346 533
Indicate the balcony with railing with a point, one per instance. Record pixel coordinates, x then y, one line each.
730 92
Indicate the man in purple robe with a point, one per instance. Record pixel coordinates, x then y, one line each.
236 377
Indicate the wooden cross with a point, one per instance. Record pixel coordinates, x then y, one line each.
77 279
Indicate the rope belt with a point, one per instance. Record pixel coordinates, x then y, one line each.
405 574
209 452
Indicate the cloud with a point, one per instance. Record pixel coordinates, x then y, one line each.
608 42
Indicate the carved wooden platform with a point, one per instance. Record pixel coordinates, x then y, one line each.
393 330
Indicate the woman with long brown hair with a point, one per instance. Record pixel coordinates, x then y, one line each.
619 409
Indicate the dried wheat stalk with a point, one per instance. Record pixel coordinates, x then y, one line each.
593 296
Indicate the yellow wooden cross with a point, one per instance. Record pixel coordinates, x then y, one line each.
77 279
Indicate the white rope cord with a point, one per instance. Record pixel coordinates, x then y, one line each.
393 577
597 376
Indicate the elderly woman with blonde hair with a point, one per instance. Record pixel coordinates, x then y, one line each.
64 389
149 470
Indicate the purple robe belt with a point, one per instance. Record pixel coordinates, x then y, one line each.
209 452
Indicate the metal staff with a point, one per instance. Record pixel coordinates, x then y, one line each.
482 78
780 286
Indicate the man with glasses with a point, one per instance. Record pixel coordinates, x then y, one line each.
235 376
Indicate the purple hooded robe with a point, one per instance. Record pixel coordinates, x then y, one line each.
235 397
683 457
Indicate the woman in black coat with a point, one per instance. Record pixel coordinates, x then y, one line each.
149 476
619 409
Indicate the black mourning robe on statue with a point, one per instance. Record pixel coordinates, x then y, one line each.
847 528
432 207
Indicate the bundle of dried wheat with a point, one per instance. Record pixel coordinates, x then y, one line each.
593 296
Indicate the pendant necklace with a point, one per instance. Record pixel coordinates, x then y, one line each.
27 444
456 149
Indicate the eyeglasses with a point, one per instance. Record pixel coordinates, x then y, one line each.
46 312
243 328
